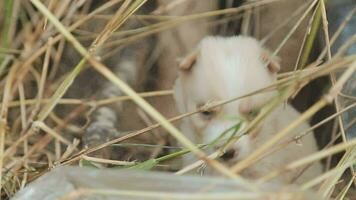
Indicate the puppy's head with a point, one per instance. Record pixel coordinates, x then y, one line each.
221 69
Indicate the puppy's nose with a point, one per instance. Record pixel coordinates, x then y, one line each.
228 155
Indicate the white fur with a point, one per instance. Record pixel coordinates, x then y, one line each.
231 67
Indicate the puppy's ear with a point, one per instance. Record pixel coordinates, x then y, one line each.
188 62
271 61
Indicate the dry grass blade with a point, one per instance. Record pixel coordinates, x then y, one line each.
328 50
6 31
106 161
22 106
118 19
342 195
44 127
43 75
333 80
100 102
328 185
310 39
3 117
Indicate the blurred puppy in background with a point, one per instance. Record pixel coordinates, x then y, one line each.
224 68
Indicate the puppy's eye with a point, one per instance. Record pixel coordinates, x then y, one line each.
206 112
252 114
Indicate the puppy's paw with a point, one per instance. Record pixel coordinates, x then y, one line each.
97 134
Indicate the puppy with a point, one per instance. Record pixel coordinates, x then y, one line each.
224 68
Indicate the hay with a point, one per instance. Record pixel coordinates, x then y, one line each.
35 135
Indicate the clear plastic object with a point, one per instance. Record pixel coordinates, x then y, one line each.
67 183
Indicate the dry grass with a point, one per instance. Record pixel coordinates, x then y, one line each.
34 139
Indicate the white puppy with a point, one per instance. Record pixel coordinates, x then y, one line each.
224 68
